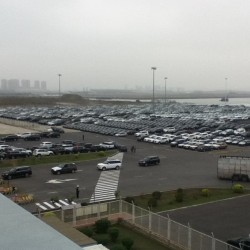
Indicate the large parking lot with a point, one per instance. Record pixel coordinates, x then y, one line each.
181 166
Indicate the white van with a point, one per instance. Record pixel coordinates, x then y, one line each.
46 144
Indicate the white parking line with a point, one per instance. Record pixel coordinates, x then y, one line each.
42 207
49 205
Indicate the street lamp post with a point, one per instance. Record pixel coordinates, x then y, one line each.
165 90
226 96
59 76
153 68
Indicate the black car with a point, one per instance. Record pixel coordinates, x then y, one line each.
150 160
10 138
121 148
96 148
23 171
79 149
57 129
64 168
241 243
17 153
33 137
2 155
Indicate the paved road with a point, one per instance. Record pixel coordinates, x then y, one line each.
179 168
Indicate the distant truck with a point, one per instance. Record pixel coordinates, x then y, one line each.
235 168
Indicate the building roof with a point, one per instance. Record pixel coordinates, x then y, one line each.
21 230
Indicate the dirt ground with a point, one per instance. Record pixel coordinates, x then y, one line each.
6 129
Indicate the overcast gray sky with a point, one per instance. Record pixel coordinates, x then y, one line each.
114 43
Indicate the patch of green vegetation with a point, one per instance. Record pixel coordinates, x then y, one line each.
140 241
189 197
33 160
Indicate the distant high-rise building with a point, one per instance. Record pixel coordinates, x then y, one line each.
4 84
43 85
13 84
25 84
36 84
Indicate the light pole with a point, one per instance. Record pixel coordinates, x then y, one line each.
59 76
226 97
153 68
165 89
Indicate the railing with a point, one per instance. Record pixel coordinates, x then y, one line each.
159 227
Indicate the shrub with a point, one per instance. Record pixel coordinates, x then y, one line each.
113 234
205 192
88 231
152 202
102 225
101 154
179 195
156 195
103 241
118 247
54 199
238 188
128 243
130 199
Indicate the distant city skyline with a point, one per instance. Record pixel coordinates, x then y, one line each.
17 85
113 44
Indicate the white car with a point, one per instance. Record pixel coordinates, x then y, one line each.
121 134
24 135
3 147
46 144
107 145
42 152
142 133
110 164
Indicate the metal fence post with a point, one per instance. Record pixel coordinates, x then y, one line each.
74 216
98 210
62 215
149 221
133 213
213 241
120 207
189 237
169 228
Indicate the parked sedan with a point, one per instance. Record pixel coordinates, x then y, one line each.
10 138
64 168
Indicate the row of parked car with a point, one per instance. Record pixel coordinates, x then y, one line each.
200 141
47 148
54 132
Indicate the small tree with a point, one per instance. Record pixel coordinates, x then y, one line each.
152 202
179 195
88 231
102 225
113 234
117 194
156 195
128 243
205 192
238 188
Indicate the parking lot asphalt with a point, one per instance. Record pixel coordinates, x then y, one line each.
179 168
226 219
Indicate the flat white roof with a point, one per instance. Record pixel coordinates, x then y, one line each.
20 230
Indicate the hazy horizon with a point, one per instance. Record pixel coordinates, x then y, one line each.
113 44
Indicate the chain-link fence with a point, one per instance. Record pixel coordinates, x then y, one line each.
160 227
